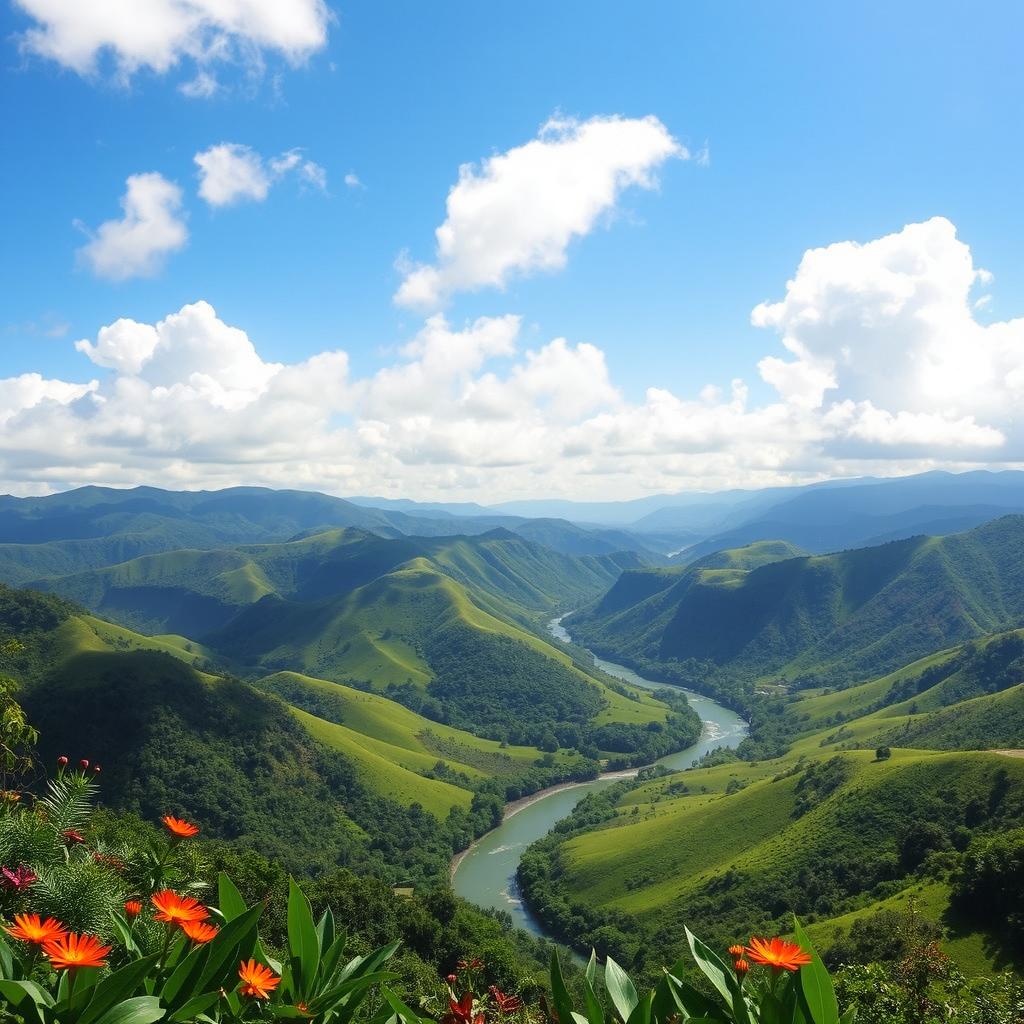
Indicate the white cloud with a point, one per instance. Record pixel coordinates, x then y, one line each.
887 372
352 180
160 34
151 228
231 173
519 211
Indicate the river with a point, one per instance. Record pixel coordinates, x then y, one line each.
486 873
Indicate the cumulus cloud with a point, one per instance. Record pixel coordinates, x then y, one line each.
518 212
161 34
885 371
231 173
151 227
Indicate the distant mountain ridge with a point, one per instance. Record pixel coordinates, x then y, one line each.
833 618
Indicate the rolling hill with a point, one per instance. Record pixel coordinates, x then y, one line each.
830 830
836 618
311 773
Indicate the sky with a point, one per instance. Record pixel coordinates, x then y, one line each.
496 251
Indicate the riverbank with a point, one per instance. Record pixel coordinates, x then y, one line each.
515 806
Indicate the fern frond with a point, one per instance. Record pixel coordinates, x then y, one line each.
68 802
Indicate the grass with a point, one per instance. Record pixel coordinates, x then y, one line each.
388 770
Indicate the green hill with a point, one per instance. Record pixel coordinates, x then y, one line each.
832 619
381 790
829 830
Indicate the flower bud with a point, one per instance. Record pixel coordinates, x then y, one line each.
742 966
62 761
83 764
452 978
95 769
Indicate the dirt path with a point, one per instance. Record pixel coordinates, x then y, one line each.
1009 753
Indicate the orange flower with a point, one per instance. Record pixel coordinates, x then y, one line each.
777 953
29 928
257 981
175 909
741 966
737 952
199 931
72 951
179 827
132 908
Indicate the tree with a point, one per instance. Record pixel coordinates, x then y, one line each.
883 754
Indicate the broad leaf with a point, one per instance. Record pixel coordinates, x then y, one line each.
621 989
230 899
819 997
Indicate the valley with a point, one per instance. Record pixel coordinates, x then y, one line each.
426 696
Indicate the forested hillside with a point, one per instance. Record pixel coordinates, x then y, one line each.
833 619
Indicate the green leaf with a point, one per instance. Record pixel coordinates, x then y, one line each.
595 1011
194 1007
642 1011
232 941
6 959
303 943
819 997
850 1016
711 964
28 998
401 1010
230 900
559 993
325 930
686 999
140 1010
621 989
183 983
115 987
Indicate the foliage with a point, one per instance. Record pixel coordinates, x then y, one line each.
987 887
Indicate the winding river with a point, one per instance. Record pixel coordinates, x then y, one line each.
486 873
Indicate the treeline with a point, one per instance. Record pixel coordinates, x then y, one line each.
503 690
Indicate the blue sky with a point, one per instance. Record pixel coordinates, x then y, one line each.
805 124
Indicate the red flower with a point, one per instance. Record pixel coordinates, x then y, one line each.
199 931
777 953
452 978
83 764
20 878
72 951
179 827
461 1012
73 838
505 1004
175 909
132 908
257 981
62 761
29 928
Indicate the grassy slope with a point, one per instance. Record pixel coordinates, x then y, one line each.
669 854
373 634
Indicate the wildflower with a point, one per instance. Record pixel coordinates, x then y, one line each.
83 764
461 1012
470 965
777 953
302 1008
741 966
132 908
175 909
505 1004
30 928
180 828
257 981
199 931
452 978
737 952
72 951
20 878
72 837
96 769
62 761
